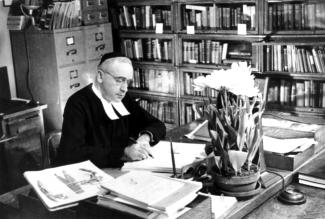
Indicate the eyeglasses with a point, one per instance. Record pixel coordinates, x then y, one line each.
118 80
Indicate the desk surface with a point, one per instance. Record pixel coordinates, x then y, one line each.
13 108
247 208
313 208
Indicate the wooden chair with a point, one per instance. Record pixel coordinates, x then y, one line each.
52 146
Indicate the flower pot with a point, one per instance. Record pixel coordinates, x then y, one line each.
243 183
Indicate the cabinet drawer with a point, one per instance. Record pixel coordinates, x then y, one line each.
25 124
69 47
93 5
95 17
98 41
72 79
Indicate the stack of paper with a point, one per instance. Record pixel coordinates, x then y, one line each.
149 192
184 153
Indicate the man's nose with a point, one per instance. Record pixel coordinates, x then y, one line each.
124 86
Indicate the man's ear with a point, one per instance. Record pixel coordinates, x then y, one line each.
99 76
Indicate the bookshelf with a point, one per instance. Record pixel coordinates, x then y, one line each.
212 35
146 36
222 32
283 40
292 57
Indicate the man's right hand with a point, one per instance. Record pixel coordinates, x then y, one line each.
137 151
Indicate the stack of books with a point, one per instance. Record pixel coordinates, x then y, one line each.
313 173
148 195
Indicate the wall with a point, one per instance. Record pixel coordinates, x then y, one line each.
5 48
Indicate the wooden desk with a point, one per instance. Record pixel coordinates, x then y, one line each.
21 142
313 208
246 208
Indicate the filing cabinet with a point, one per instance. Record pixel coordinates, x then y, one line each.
57 63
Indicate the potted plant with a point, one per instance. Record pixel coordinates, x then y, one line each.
234 125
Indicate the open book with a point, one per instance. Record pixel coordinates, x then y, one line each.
157 193
184 154
64 186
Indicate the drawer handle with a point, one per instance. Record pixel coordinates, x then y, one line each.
90 3
74 85
100 47
91 17
73 74
72 52
102 15
99 36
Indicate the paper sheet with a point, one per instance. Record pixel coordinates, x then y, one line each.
282 146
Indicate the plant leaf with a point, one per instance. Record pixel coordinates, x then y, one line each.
237 159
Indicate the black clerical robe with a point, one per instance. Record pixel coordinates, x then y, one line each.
88 133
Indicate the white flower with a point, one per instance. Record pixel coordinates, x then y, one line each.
238 80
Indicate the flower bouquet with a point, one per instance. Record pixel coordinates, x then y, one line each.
234 125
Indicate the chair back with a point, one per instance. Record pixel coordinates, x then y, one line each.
52 145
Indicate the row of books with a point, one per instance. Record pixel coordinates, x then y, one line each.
144 17
290 58
189 88
165 111
219 16
204 51
297 93
190 113
148 49
154 80
296 16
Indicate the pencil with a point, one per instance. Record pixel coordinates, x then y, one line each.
173 157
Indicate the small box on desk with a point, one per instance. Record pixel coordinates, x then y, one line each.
288 162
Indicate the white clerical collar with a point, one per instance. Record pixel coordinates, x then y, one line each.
108 106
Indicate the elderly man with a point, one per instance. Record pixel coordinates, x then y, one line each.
101 122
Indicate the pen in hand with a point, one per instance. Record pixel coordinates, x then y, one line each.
135 142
